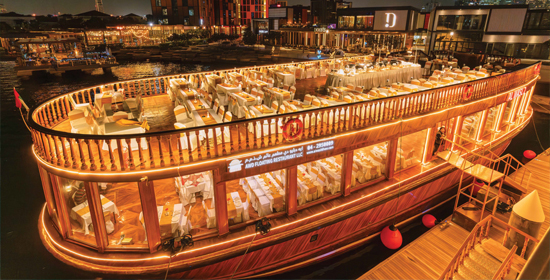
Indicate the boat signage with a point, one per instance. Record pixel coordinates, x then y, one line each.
236 165
516 93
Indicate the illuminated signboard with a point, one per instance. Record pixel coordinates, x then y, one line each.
391 20
516 93
236 165
320 30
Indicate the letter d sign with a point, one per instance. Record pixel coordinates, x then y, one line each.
390 20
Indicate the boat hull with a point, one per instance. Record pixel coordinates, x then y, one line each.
285 252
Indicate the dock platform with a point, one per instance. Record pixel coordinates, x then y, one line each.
428 256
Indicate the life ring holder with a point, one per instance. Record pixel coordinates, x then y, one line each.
468 92
293 129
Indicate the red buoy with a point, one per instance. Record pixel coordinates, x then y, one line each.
429 220
477 186
528 154
391 237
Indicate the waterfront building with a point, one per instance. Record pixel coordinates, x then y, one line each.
506 30
254 9
324 11
186 12
289 16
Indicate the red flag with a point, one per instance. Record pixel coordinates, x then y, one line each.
17 100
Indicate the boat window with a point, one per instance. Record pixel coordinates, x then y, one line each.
318 179
369 163
470 126
491 118
74 196
256 196
122 214
48 191
504 121
187 205
410 149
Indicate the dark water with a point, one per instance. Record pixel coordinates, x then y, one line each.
22 198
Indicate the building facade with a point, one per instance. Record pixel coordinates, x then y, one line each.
185 12
506 30
324 11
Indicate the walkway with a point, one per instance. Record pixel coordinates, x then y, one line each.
427 256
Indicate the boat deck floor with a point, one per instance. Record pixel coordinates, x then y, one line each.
428 256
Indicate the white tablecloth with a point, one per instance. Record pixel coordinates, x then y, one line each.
179 218
288 79
375 79
227 90
200 122
243 101
86 219
213 80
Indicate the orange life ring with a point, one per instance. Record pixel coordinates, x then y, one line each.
468 92
293 129
517 61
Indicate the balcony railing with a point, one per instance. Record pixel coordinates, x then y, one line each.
160 149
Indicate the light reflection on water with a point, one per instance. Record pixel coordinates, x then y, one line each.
42 86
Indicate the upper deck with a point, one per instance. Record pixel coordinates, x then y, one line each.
332 117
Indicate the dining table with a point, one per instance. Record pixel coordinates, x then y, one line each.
206 117
236 76
227 88
280 95
286 77
213 79
172 217
373 78
197 104
81 212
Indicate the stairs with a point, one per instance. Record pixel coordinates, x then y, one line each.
477 170
481 262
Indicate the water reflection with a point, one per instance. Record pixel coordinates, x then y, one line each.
42 86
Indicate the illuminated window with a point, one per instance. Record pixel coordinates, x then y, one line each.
255 197
346 21
191 12
75 198
410 149
124 219
365 22
491 118
369 163
189 202
319 179
470 126
158 3
164 11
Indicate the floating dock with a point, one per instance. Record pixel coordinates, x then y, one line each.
428 256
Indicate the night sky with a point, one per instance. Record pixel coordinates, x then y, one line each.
143 7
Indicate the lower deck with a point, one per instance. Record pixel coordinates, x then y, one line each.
428 256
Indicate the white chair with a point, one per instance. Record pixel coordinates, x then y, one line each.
322 72
216 105
120 115
275 106
78 122
308 99
181 114
210 216
183 138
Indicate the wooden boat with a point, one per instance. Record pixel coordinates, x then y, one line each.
108 209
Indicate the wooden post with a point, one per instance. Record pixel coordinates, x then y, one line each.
62 212
347 168
430 142
291 190
221 206
391 159
481 129
150 213
96 212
